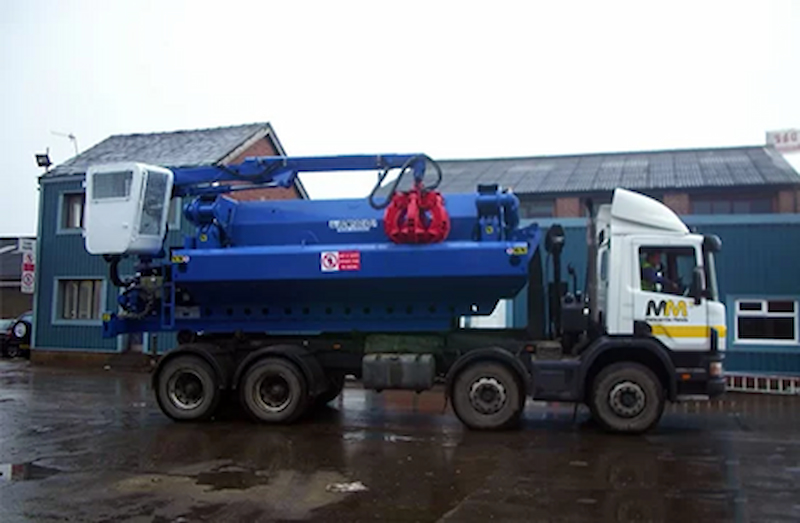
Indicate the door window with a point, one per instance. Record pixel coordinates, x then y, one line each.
667 270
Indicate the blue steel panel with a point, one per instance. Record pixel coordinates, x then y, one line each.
323 221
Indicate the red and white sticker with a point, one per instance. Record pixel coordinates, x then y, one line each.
335 261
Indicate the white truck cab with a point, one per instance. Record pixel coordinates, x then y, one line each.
655 277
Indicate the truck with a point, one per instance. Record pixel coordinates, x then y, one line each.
277 302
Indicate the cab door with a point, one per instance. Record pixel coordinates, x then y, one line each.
663 303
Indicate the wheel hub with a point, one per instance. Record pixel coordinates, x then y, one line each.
19 330
185 390
627 399
487 395
272 393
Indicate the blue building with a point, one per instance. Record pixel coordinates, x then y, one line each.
749 196
72 287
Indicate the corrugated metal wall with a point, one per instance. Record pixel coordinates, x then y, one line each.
759 258
63 255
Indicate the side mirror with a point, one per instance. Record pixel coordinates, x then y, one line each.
698 285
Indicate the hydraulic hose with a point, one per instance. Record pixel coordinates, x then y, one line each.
113 271
396 183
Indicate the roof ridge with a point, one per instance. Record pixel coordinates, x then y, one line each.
180 131
604 154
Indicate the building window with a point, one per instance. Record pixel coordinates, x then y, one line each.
79 299
536 209
707 205
72 211
770 321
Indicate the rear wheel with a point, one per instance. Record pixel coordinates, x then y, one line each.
487 395
187 389
274 390
627 397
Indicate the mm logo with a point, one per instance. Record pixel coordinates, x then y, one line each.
666 308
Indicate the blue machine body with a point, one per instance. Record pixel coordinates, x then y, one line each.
300 266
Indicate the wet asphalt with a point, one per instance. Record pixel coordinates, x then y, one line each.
93 446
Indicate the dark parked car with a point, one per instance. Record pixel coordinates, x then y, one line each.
17 338
5 325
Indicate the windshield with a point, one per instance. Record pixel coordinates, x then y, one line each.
711 275
153 204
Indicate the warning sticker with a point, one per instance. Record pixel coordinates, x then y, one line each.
518 249
335 261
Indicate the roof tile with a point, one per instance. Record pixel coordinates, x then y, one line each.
171 149
676 169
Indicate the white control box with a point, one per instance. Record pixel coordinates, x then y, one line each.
127 207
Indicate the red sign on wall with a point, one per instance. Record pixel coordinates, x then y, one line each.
785 141
28 277
336 261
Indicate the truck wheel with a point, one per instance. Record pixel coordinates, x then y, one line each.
187 389
335 387
487 395
274 390
627 397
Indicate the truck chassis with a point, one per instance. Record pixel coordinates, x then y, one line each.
487 374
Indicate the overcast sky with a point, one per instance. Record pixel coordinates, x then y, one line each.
454 80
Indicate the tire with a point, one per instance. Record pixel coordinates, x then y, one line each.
335 387
13 351
627 398
187 389
20 330
487 396
274 390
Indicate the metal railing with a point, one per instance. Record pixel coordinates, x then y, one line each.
762 383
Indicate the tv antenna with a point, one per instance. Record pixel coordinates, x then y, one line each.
72 138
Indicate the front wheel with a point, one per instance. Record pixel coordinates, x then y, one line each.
487 395
187 389
274 390
627 397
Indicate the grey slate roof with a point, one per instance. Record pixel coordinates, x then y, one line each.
652 170
170 149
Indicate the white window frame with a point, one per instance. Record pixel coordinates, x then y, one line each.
764 313
58 302
62 209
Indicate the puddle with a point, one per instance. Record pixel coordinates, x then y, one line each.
24 472
389 437
232 479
